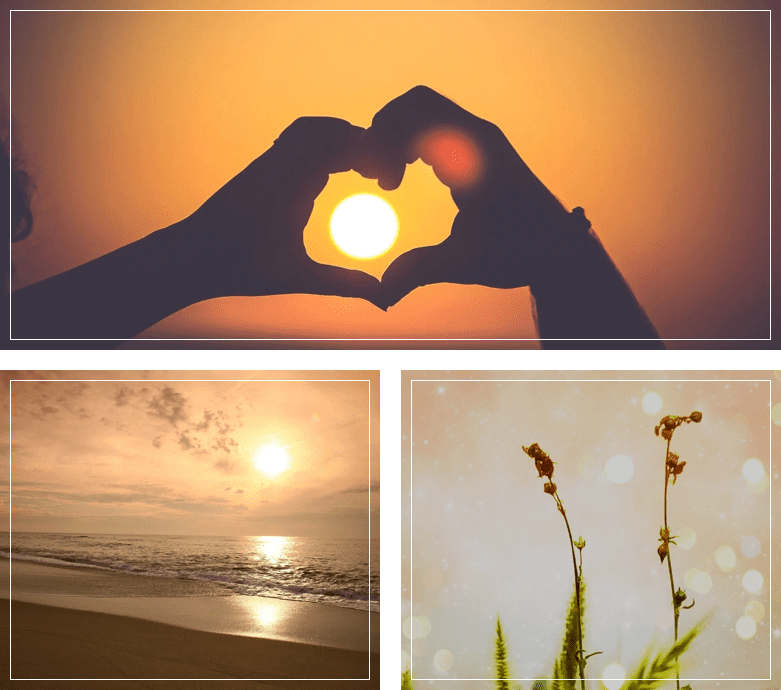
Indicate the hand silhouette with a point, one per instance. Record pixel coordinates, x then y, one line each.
247 239
251 230
504 212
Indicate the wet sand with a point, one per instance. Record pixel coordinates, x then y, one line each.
50 642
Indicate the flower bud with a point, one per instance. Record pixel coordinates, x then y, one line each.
663 550
549 488
696 416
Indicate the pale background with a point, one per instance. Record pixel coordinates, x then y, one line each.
655 122
486 539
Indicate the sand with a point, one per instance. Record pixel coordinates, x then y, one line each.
72 624
51 642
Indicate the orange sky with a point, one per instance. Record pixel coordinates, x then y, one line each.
655 122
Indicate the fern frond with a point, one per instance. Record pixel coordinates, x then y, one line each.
500 657
556 678
662 668
568 661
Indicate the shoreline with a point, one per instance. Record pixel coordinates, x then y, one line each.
193 605
50 642
211 587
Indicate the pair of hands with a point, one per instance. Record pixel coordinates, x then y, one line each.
249 235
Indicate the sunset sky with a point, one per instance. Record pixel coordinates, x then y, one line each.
178 457
487 540
655 122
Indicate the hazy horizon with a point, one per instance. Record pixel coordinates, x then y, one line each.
208 536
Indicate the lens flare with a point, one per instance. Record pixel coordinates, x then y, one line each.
454 156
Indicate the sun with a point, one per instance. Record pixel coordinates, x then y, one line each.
364 226
271 460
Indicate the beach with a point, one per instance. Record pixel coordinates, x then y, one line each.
79 623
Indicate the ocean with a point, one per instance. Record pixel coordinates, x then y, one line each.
336 572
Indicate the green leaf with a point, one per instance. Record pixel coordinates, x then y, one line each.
406 681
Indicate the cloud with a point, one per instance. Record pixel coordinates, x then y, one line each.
224 444
157 441
122 395
169 405
204 424
225 465
239 491
186 442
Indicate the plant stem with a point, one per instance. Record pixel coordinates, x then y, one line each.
676 613
581 662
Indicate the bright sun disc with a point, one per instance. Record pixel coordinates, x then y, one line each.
364 226
271 460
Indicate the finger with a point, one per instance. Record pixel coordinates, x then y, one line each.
322 144
342 282
303 157
416 268
421 124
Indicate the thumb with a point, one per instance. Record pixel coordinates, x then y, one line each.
414 269
322 279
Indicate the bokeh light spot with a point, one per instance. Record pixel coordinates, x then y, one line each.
702 582
416 627
443 660
746 627
753 471
652 403
688 576
687 538
755 609
753 581
750 546
619 469
726 559
775 414
613 676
